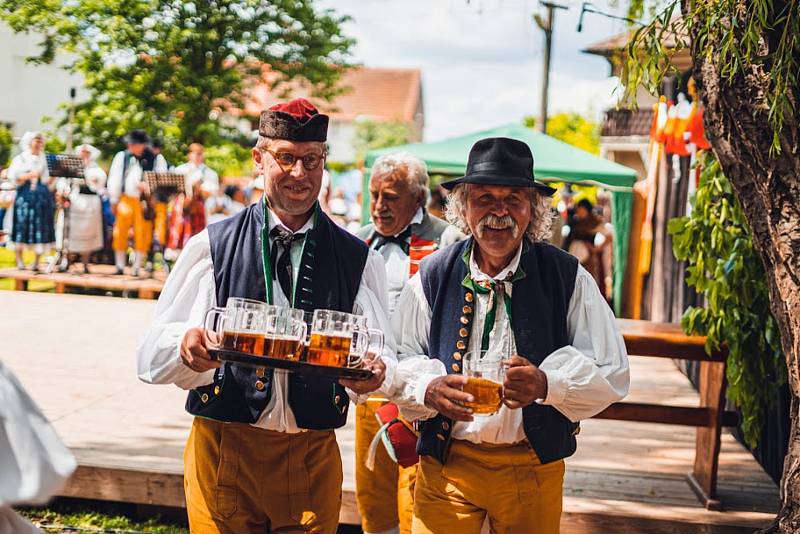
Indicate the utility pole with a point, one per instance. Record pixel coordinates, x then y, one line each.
547 27
71 119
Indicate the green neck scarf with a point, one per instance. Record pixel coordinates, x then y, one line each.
494 289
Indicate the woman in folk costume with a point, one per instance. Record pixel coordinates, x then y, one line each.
86 207
34 207
262 454
545 325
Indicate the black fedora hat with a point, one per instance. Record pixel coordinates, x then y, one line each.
135 137
500 161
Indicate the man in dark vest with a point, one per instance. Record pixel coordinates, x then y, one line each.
403 232
508 292
262 454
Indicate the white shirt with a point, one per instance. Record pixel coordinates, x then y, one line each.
397 265
583 378
206 176
190 291
25 162
128 185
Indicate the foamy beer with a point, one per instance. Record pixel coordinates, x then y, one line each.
238 326
341 339
284 333
484 372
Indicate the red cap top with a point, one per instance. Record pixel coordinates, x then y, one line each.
300 108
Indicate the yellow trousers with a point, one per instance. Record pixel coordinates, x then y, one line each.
130 214
161 223
240 479
506 483
385 496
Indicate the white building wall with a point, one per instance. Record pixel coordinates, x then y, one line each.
340 141
28 93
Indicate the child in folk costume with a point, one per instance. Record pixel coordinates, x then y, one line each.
33 225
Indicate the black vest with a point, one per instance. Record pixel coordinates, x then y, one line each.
540 304
329 278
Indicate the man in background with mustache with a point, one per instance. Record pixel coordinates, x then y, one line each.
403 232
509 292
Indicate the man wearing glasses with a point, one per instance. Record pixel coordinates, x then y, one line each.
262 455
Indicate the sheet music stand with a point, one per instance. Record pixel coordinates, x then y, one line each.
70 167
64 165
165 184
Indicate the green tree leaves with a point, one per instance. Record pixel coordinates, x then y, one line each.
170 66
723 265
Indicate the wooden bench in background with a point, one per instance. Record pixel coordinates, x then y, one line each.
101 277
666 340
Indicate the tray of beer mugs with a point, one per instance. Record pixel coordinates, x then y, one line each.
260 335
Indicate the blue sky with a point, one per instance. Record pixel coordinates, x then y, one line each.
481 60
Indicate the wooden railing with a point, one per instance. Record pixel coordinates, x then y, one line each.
663 340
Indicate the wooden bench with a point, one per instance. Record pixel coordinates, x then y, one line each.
102 277
666 340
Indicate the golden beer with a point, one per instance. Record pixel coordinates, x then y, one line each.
282 348
248 342
487 393
330 350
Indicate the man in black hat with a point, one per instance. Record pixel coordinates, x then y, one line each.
262 454
126 187
530 306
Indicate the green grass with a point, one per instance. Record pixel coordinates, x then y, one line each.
7 260
81 518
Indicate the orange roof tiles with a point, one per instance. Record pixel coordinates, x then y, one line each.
381 94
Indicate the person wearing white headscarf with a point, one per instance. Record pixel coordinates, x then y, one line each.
33 461
86 207
34 205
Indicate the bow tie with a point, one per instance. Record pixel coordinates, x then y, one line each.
282 267
401 240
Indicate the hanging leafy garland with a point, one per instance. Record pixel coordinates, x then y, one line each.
723 265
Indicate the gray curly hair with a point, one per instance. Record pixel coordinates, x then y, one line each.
539 228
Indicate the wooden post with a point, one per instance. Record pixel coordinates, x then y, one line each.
703 478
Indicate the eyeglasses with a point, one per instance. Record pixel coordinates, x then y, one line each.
286 160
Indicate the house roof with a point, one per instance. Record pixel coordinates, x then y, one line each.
618 42
379 94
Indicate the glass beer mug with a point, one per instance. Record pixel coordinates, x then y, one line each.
341 339
284 333
485 373
239 326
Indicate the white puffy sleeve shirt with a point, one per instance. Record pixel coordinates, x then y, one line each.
190 291
583 377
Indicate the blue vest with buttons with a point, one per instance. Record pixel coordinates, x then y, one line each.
329 278
540 303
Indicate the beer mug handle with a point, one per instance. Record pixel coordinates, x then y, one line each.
214 327
369 340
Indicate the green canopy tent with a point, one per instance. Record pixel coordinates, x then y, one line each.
554 161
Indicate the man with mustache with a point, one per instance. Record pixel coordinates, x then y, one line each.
262 454
403 232
504 290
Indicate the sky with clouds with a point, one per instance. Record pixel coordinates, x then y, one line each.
481 60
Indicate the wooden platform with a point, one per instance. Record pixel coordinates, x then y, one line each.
75 354
101 277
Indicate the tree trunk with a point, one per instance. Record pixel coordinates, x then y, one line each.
768 187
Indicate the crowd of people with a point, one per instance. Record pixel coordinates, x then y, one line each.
111 213
480 292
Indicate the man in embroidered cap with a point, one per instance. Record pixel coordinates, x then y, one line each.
403 232
528 305
262 455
